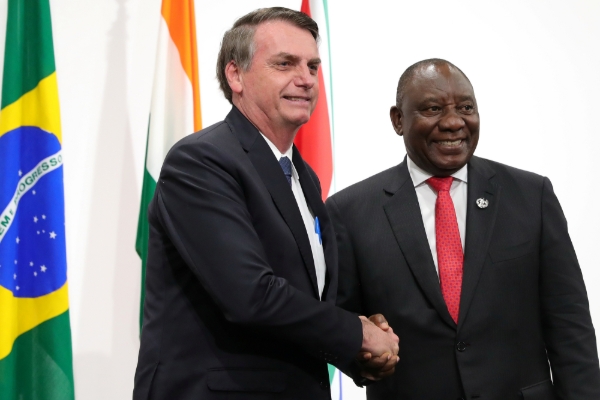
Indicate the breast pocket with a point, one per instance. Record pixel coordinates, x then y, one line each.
540 391
246 380
507 253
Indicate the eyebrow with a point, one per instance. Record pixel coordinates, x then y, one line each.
296 59
466 98
434 99
430 99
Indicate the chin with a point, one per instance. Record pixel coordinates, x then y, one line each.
300 120
451 166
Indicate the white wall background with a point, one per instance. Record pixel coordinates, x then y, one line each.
535 66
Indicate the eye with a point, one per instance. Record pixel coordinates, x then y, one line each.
467 108
430 110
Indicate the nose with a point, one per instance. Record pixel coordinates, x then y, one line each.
305 77
451 121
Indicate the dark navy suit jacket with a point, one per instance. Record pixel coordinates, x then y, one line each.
232 309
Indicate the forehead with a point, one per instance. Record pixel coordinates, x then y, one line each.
438 81
281 36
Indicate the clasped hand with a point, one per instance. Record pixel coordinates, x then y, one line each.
379 353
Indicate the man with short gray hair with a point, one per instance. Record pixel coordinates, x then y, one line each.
242 261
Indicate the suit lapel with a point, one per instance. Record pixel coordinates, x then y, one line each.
479 228
313 199
404 216
269 170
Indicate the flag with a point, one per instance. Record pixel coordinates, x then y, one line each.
314 139
35 334
175 108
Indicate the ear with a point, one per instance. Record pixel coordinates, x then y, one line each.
396 117
234 77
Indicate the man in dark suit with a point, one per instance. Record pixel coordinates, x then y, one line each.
242 260
469 260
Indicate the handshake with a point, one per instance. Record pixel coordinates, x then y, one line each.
379 352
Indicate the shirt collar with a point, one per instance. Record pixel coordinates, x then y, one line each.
289 153
419 176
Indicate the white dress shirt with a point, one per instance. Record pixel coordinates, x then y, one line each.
307 216
427 197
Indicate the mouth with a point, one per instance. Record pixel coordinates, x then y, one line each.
297 99
450 143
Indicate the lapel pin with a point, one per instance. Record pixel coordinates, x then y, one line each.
482 203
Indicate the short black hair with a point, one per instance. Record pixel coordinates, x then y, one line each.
408 74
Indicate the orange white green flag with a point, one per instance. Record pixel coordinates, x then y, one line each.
35 333
314 139
175 107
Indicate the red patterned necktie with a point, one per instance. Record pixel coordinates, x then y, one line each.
448 245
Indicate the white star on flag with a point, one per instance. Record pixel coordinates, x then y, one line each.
31 263
18 288
38 232
43 268
35 274
33 191
20 173
52 235
35 219
43 216
14 276
18 240
15 261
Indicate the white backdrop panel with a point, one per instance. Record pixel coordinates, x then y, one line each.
534 65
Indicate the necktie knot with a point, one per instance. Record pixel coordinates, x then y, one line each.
440 184
286 166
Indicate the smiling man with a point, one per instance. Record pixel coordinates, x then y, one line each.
469 260
242 260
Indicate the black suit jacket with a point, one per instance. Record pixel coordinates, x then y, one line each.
523 300
232 309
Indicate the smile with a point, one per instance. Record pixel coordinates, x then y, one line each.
298 99
450 143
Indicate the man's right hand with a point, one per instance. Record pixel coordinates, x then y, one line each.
380 347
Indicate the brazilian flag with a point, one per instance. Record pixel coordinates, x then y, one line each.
35 334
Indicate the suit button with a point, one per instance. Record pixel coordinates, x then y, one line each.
461 346
324 385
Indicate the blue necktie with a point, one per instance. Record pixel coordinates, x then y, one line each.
286 166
